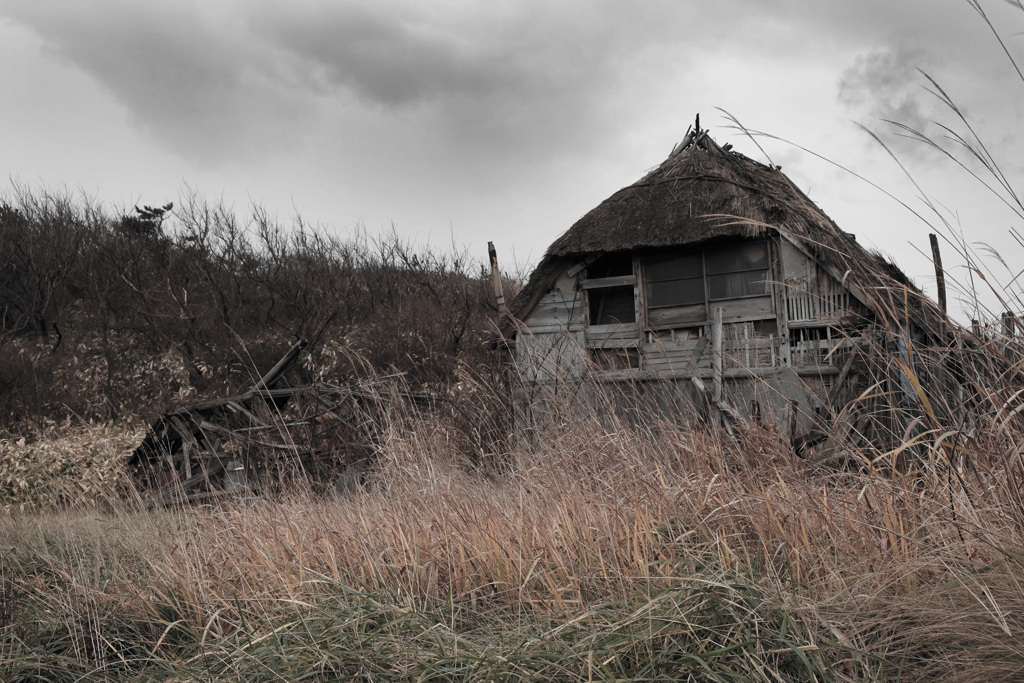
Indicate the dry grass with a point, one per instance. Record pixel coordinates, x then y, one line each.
65 464
610 553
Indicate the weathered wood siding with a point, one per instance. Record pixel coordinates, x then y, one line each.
557 312
812 295
551 346
622 336
744 345
679 357
782 354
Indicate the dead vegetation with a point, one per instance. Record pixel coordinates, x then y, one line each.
107 317
611 551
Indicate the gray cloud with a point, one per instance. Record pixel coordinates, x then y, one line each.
226 81
506 77
387 57
887 86
185 76
237 80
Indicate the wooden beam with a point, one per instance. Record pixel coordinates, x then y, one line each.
499 294
632 375
847 366
940 275
716 361
617 281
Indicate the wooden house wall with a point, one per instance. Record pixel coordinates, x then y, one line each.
551 345
784 347
812 295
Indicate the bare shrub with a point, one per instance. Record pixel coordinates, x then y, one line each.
89 299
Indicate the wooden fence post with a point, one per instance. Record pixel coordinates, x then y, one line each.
716 365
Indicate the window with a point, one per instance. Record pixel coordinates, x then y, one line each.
675 280
737 270
732 271
612 305
680 286
609 286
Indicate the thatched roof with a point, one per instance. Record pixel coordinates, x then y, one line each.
705 192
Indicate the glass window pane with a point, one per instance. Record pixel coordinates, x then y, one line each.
675 292
732 285
673 267
736 257
610 305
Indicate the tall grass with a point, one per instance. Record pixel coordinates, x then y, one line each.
603 551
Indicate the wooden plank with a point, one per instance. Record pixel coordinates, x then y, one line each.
609 336
747 308
221 403
612 343
550 357
650 373
734 310
176 488
556 329
239 408
716 360
617 281
640 297
744 344
573 305
562 319
558 310
940 274
827 321
499 295
679 316
852 287
671 345
209 427
564 313
563 309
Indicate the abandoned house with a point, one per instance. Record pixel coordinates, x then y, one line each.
711 289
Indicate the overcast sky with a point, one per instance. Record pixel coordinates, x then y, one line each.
503 121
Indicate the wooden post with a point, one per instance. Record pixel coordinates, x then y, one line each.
794 408
716 364
940 275
499 295
1009 324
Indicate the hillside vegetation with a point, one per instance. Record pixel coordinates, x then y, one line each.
107 316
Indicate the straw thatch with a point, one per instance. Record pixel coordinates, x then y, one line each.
704 192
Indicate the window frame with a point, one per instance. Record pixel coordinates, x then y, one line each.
647 281
765 270
607 283
708 303
630 334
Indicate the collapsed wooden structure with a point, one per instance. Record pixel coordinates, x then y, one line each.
245 443
714 290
